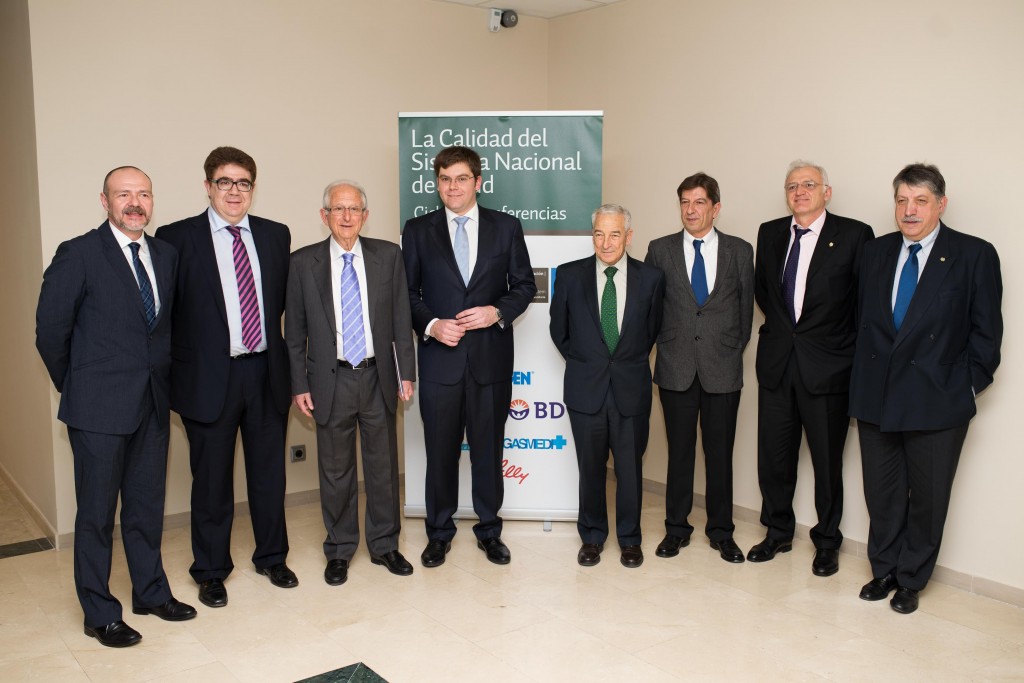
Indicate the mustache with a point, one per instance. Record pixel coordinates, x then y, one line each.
134 210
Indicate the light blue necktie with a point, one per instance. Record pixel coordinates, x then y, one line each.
352 337
905 291
699 276
145 286
462 247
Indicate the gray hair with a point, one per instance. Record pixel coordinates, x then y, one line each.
614 210
346 183
921 175
803 163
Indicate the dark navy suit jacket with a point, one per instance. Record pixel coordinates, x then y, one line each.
201 347
576 330
92 334
502 277
925 376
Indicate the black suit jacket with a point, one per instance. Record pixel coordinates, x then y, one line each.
310 328
576 330
823 337
924 377
92 334
201 340
502 277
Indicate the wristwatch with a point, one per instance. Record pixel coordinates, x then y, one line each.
499 316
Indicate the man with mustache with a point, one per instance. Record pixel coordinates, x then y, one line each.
103 331
928 343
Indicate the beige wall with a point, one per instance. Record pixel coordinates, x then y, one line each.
740 88
26 442
737 89
311 89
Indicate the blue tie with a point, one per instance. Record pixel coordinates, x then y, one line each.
352 338
699 276
789 274
905 291
462 248
145 286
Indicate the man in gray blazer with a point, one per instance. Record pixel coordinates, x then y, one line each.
348 330
709 307
103 329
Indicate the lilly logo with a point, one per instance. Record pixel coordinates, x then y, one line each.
519 409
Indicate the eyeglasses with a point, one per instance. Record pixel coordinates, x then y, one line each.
808 185
226 184
342 210
458 182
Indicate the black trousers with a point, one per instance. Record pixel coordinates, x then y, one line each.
783 414
358 403
479 411
717 416
908 480
626 437
133 466
248 409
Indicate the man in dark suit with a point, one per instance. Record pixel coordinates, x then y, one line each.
469 278
103 329
805 281
230 370
928 344
709 309
347 325
605 317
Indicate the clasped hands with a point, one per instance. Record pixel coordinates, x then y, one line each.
450 331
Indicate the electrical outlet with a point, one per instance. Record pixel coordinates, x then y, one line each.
298 454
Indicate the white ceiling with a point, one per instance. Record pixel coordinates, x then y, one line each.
547 9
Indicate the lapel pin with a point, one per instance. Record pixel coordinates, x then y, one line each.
831 244
942 258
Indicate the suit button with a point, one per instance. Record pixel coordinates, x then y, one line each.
874 356
913 362
700 313
697 338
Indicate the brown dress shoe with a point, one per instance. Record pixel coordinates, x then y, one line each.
632 556
590 554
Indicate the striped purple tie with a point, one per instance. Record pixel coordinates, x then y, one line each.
247 301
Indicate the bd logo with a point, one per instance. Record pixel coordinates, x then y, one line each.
519 409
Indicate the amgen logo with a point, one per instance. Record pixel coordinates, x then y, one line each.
519 409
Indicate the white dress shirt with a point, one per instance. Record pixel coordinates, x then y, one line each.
473 236
359 264
922 257
223 248
709 250
620 286
123 241
807 244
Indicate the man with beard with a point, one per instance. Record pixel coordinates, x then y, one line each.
103 331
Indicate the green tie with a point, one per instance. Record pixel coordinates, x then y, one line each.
609 311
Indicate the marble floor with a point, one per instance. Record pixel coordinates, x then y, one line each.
541 618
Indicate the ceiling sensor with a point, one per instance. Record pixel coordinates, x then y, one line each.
502 17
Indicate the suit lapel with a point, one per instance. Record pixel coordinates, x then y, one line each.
823 250
443 242
122 271
590 292
264 249
723 264
372 266
886 282
202 242
162 277
632 295
778 254
940 260
677 263
321 269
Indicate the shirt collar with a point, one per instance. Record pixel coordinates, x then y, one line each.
473 214
337 252
708 239
814 227
927 241
218 223
124 240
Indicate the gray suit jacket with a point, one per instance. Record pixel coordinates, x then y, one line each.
310 330
706 341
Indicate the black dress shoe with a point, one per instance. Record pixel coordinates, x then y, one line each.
118 634
433 554
172 610
280 575
767 549
878 589
497 552
336 572
905 600
395 563
728 550
670 545
826 562
212 593
632 556
590 554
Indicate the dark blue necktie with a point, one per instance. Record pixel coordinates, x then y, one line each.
789 274
905 290
145 286
698 275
